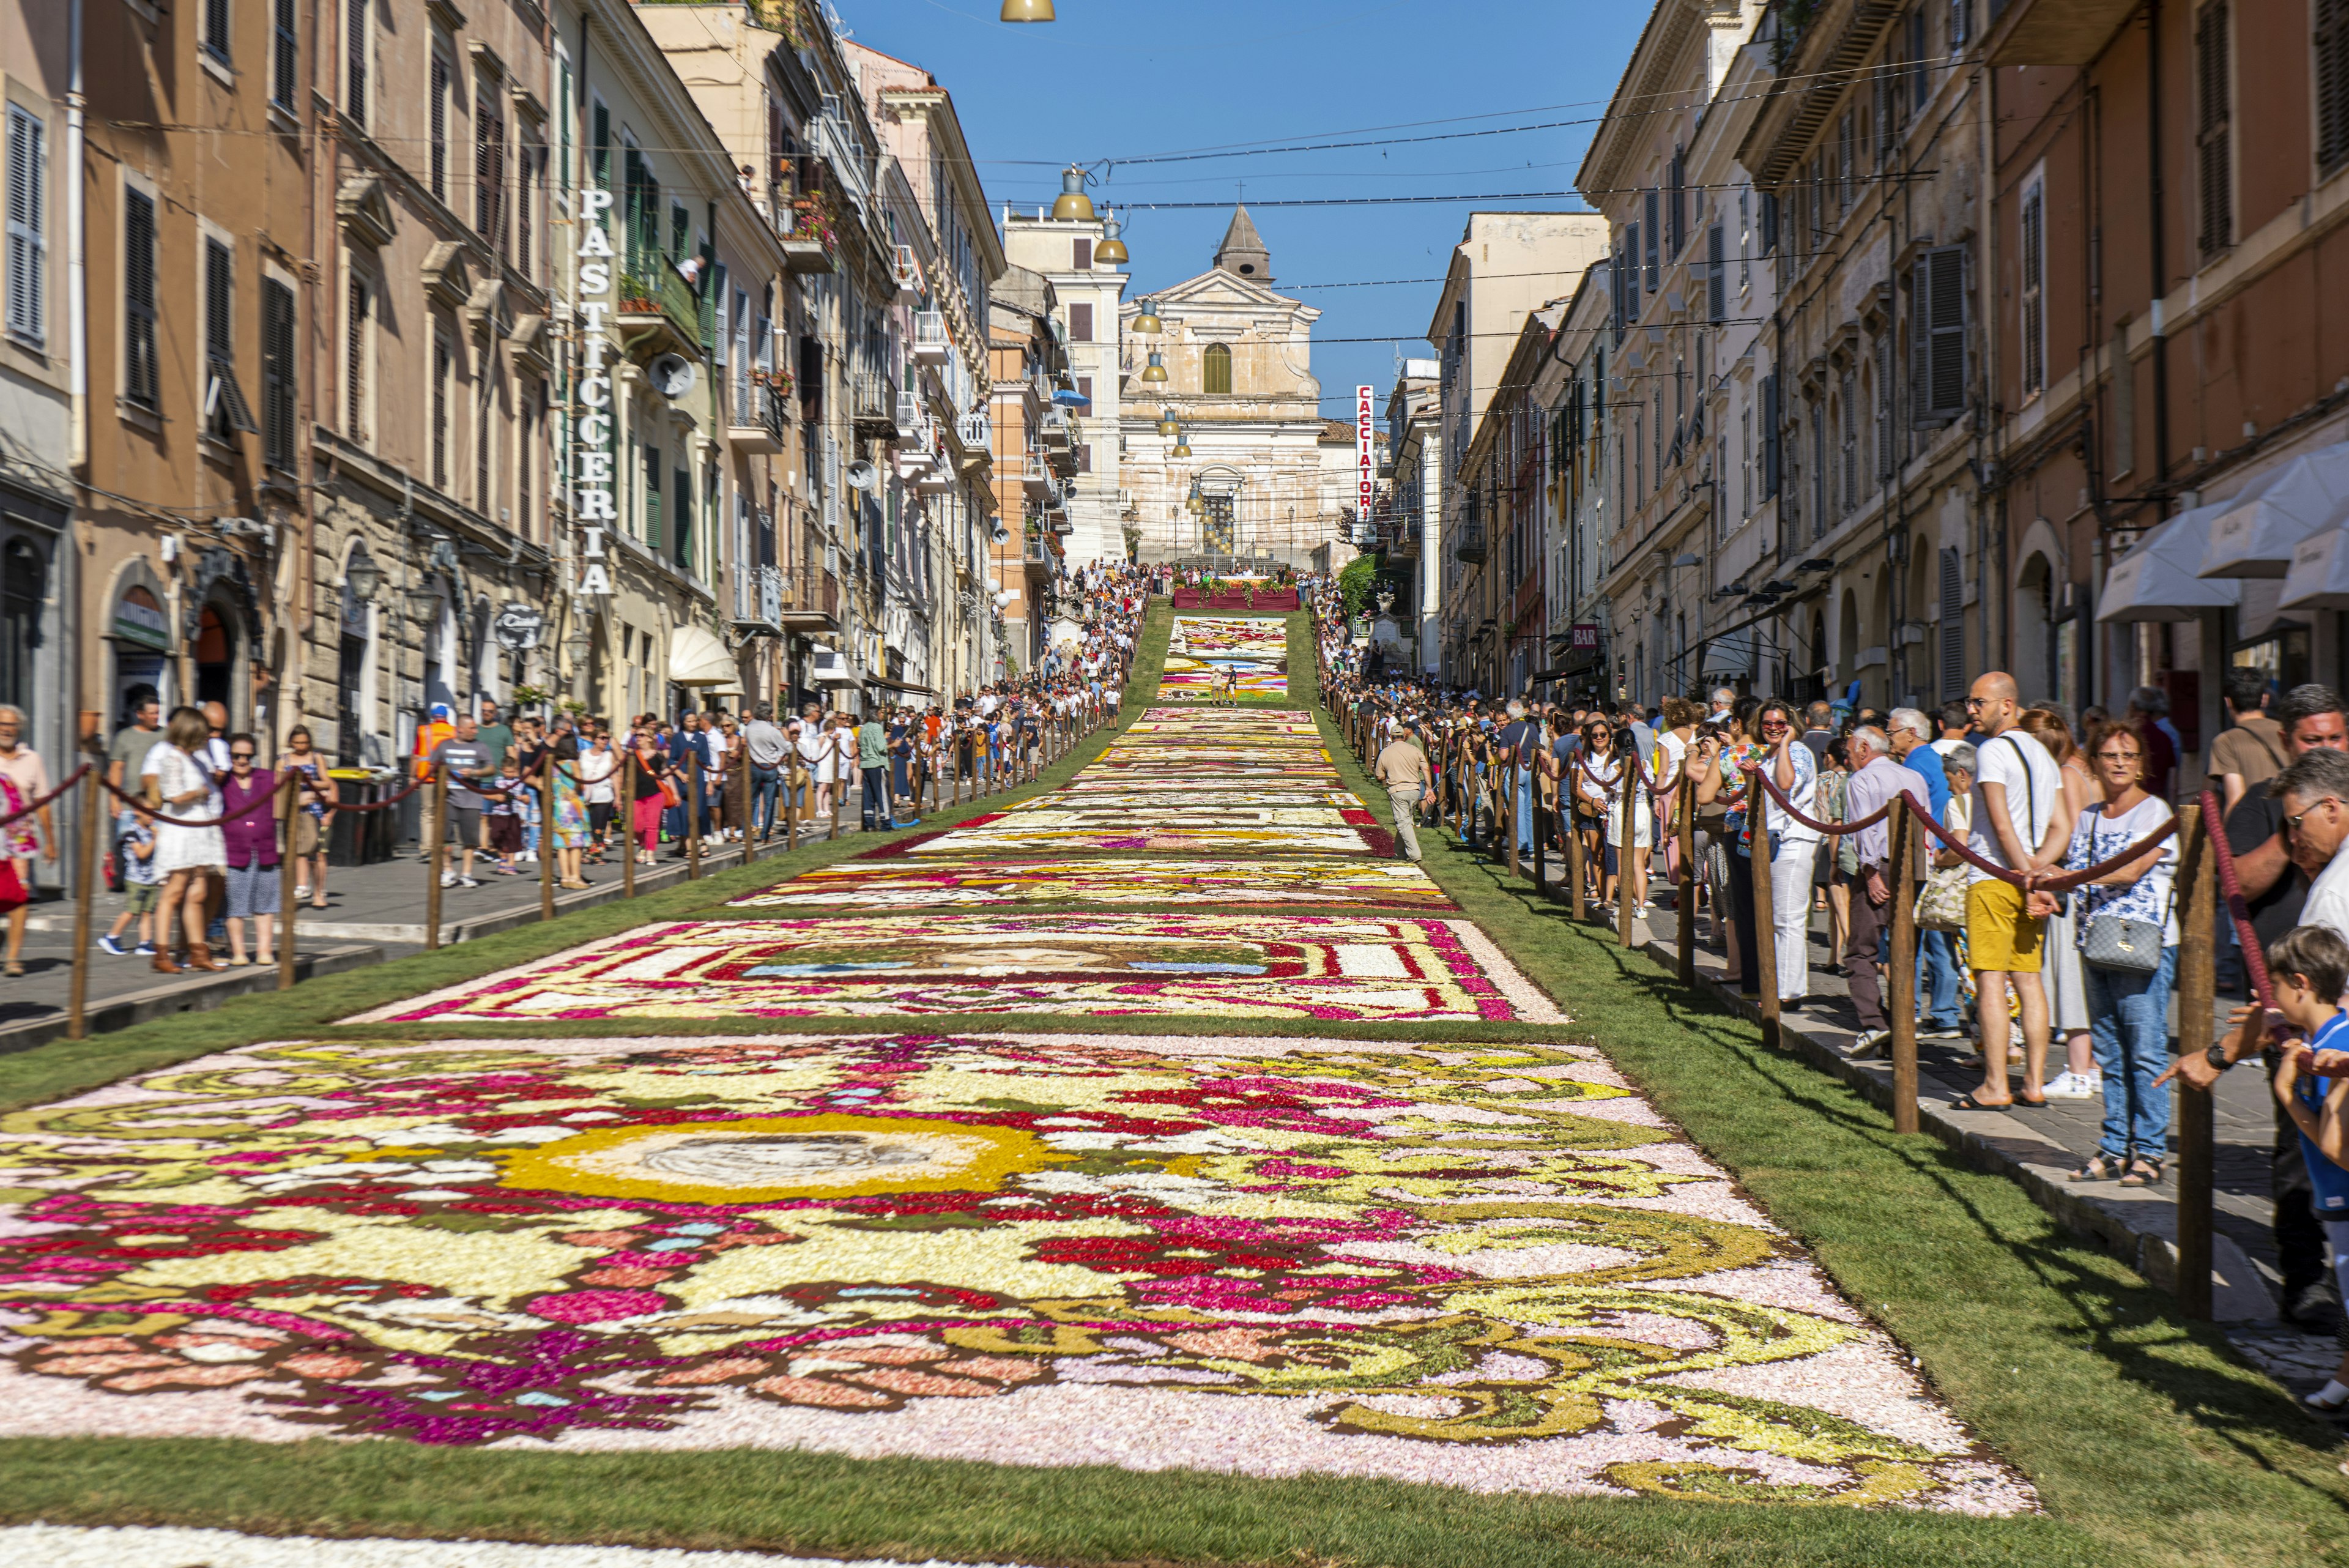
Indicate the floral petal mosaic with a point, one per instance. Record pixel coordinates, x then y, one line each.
1360 883
1340 968
1484 1265
1202 650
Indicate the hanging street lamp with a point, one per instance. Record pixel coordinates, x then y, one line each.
364 577
1147 324
1111 250
1181 443
1027 11
1073 204
1156 370
1167 424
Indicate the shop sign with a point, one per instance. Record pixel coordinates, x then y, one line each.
518 627
138 618
591 431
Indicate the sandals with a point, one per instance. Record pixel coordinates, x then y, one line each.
2143 1171
1966 1102
2100 1166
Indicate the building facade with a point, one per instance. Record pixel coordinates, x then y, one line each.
1063 245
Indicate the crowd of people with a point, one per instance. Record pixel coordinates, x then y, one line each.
203 818
2077 978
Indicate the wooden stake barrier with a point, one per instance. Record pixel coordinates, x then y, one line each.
2196 1000
1763 914
1575 853
1907 841
435 823
287 902
627 807
746 811
77 996
1684 895
692 813
1627 834
547 851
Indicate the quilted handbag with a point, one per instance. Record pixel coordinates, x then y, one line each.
1942 901
2114 941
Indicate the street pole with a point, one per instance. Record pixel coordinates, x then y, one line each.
436 814
2196 1000
692 813
1684 828
628 803
287 902
1763 913
547 851
1625 836
77 999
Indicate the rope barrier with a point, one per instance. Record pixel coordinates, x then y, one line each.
140 803
67 782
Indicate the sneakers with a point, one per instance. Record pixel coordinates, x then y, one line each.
468 882
301 892
144 950
1869 1043
2068 1085
113 946
1941 1031
448 879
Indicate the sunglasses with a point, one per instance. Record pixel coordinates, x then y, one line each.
2292 824
240 756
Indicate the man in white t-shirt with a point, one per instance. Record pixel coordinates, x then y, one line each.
2016 786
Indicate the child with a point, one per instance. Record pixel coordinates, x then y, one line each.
142 884
2310 965
503 815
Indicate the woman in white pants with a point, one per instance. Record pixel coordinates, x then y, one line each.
1789 764
817 754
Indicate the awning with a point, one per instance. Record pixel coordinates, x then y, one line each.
2319 577
2256 536
1731 654
1070 398
696 658
830 668
2157 581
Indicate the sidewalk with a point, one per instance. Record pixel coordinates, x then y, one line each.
2040 1149
374 913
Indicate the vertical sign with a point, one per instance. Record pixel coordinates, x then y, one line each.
591 441
1366 472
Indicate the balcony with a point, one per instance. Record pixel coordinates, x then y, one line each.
937 478
754 423
909 275
1055 429
874 405
1470 546
659 311
813 236
763 606
931 344
810 600
975 430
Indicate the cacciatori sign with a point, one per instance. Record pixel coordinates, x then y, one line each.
591 431
1366 473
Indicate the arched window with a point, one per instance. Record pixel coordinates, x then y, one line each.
1218 360
22 589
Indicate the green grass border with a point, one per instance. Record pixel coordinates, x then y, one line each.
2150 1444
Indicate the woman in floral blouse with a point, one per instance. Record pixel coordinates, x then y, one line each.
1719 769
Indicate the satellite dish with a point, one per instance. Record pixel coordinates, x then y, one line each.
862 475
672 374
1000 532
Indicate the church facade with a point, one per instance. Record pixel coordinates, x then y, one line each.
1240 393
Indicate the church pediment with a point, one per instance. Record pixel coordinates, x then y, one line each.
1218 288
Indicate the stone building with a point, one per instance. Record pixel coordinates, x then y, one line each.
1065 244
1035 463
1414 535
1239 391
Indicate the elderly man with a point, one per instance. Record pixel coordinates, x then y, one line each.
1875 778
1911 734
1517 741
1402 766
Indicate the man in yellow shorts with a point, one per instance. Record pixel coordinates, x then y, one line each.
2016 786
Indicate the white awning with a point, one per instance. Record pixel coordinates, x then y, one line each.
696 658
2256 536
2157 581
1729 654
2319 577
830 668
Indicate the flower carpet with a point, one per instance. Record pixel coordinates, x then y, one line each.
1484 1265
1203 648
1345 967
977 1233
1358 883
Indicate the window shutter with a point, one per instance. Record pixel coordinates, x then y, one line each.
1884 406
277 374
603 147
1653 232
282 57
1921 81
354 386
1716 278
1937 335
439 113
355 65
1082 258
1769 436
218 293
2032 312
28 261
489 171
1953 623
1678 202
1769 222
2213 138
2332 84
1081 323
1882 103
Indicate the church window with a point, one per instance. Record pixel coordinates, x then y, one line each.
1218 360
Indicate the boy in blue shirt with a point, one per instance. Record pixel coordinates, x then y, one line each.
2309 968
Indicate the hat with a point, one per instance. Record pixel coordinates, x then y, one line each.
440 711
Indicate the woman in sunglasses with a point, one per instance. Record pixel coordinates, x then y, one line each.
1718 766
1596 770
1794 769
251 835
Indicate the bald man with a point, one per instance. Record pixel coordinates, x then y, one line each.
2016 787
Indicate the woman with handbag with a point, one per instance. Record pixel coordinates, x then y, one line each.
2068 985
2128 948
651 797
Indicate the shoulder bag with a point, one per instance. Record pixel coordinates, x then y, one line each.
2118 942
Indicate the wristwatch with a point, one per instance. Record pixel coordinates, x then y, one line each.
2217 1057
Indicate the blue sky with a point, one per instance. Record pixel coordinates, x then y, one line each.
1113 79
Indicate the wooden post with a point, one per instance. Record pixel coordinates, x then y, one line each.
1574 850
1684 829
838 787
547 851
792 770
1534 803
1903 997
627 814
1764 912
85 892
692 813
1625 836
436 815
2197 997
1512 812
287 902
747 811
